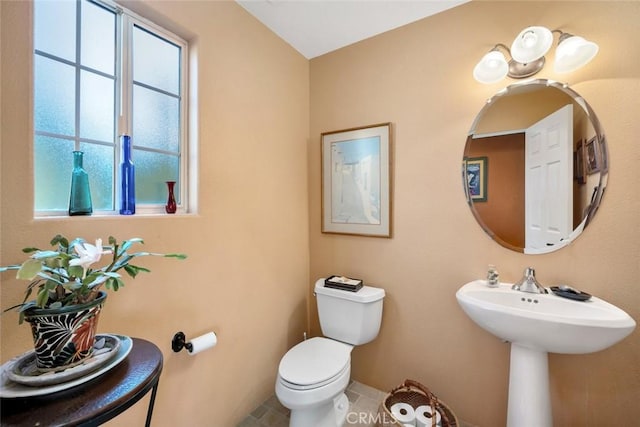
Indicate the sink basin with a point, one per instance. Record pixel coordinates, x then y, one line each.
536 324
545 321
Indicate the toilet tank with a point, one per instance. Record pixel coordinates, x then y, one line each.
350 317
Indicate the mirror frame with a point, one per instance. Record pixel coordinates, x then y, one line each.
603 159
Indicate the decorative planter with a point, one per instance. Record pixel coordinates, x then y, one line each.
64 337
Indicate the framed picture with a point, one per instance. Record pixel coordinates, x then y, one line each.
475 169
578 164
356 192
592 156
604 155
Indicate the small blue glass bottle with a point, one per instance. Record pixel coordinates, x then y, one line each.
80 198
127 179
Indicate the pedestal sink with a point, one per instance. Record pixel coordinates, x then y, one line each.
536 324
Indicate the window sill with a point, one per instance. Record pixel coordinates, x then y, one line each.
52 216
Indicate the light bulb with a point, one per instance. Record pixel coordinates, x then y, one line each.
492 68
573 52
531 44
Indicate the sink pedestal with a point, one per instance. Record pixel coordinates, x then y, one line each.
529 400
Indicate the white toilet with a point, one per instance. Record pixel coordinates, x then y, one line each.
313 375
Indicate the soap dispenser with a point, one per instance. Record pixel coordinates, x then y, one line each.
493 277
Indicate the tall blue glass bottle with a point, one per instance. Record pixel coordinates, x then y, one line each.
127 179
80 198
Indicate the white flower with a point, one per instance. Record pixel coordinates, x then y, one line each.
88 254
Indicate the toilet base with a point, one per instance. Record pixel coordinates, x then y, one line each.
333 414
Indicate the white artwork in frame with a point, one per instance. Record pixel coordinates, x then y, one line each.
356 188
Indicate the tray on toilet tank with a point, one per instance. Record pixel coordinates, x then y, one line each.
343 283
365 294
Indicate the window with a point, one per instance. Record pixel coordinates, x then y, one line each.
100 72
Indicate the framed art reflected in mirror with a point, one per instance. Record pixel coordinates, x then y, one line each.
476 176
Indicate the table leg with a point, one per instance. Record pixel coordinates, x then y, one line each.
151 403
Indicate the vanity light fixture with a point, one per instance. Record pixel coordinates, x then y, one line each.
528 52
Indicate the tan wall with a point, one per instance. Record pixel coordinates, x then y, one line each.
419 78
247 270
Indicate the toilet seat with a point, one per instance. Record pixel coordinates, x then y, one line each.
314 363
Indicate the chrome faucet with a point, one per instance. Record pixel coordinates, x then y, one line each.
528 283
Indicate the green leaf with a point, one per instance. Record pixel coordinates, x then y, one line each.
91 277
114 283
72 286
45 254
131 270
42 298
111 274
29 269
75 270
123 261
128 243
53 262
59 239
28 291
9 267
178 256
29 250
49 274
112 240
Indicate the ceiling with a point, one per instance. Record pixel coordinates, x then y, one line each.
316 27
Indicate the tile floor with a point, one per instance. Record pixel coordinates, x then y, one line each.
363 400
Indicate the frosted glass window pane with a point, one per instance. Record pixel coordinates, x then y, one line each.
54 96
53 163
98 162
98 38
55 28
152 171
156 62
97 109
156 120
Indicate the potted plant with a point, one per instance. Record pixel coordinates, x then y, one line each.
70 292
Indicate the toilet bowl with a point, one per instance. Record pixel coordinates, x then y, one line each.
313 375
312 378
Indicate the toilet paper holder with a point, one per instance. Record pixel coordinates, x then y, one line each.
179 342
194 345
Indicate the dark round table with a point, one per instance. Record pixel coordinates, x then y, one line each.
96 401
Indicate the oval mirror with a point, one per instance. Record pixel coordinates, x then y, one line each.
535 166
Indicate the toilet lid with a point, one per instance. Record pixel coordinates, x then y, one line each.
314 361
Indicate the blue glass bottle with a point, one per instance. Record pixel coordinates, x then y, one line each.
80 198
127 179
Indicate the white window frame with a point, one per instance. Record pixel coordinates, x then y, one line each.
125 22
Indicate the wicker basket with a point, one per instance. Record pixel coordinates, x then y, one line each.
415 394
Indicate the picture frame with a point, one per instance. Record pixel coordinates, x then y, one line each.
579 172
592 156
604 155
356 175
475 175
